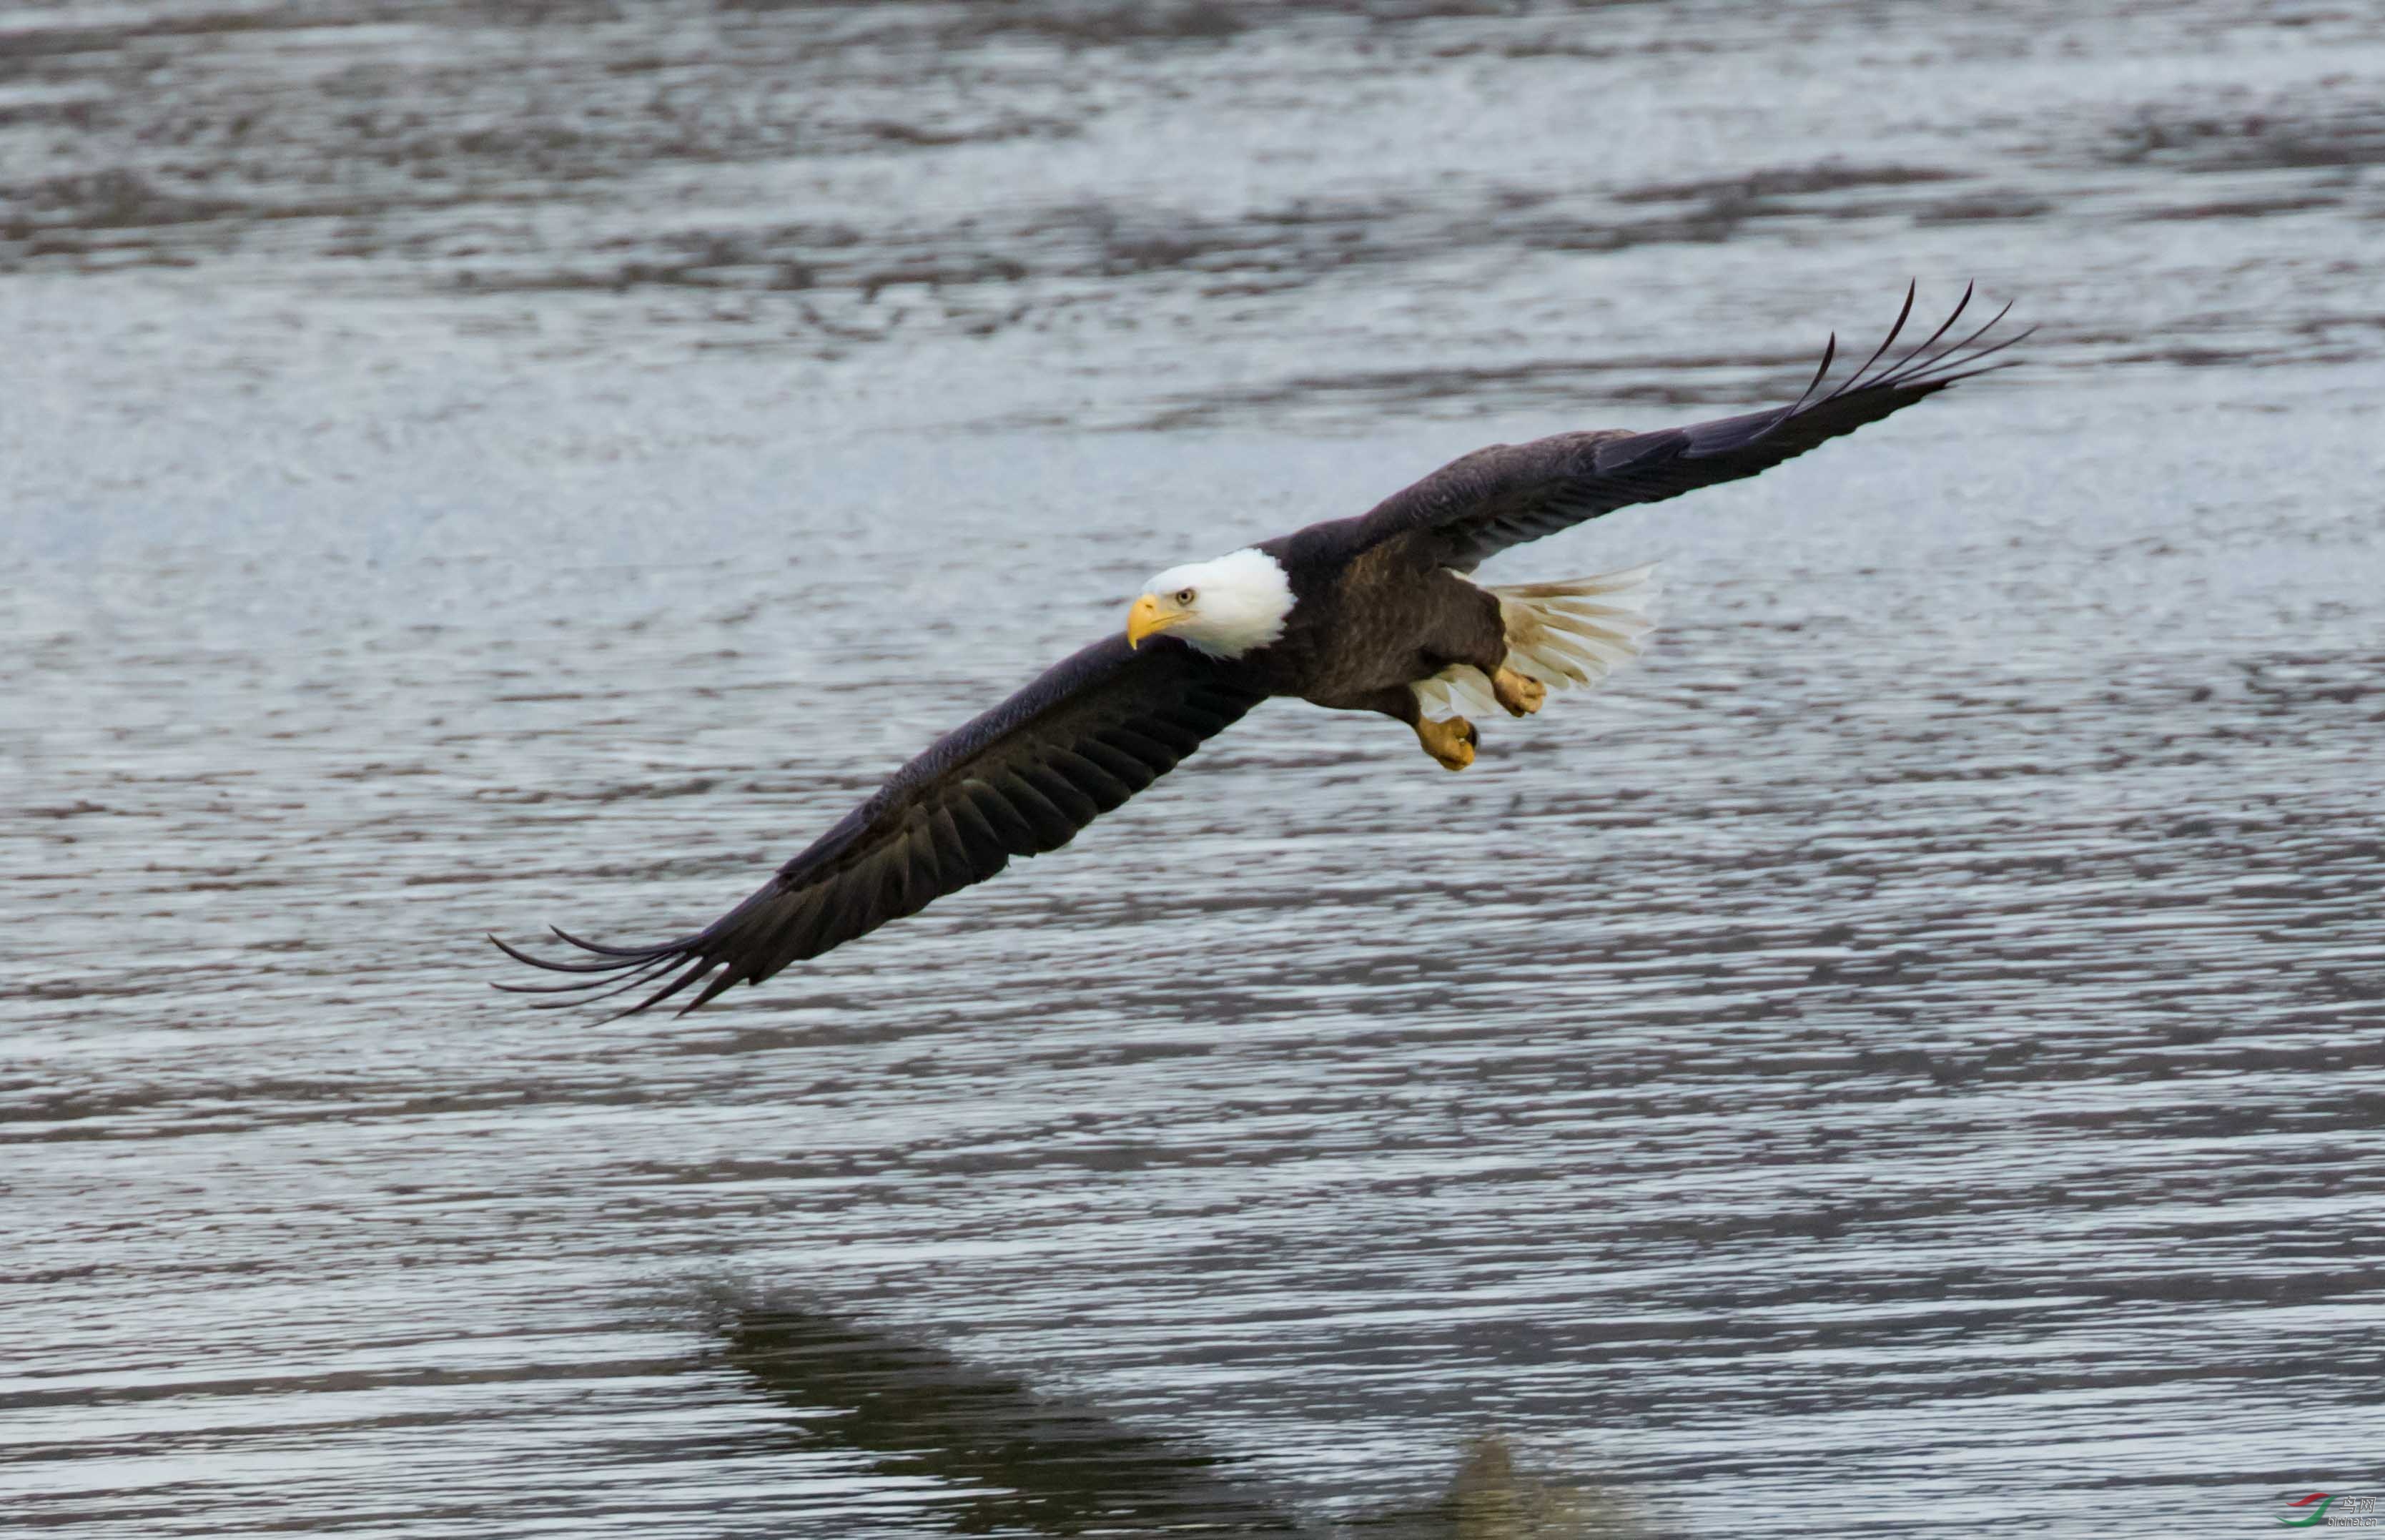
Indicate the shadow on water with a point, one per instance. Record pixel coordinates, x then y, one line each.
1017 1459
1494 1496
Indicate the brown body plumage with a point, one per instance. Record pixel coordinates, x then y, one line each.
1364 631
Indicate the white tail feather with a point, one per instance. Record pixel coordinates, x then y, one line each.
1576 632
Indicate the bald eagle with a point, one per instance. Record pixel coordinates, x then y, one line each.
1375 613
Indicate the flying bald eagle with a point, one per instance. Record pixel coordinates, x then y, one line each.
1369 614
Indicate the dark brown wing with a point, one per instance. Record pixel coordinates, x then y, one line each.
1019 780
1509 494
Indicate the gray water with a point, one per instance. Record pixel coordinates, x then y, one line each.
1905 1059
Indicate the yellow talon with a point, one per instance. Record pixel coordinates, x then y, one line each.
1450 741
1520 693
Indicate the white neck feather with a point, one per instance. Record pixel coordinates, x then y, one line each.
1242 601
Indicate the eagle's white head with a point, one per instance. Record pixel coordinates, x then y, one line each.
1225 607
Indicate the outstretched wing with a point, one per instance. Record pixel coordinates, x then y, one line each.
1019 780
1509 494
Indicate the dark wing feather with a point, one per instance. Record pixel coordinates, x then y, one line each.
1019 780
1509 494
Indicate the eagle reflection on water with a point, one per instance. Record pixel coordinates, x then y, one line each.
1015 1460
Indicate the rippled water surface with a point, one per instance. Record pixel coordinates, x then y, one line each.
1906 1058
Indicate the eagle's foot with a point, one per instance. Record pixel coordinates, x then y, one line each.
1450 741
1520 693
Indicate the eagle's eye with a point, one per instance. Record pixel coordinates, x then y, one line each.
1183 597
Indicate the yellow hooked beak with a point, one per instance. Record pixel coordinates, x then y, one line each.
1147 618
